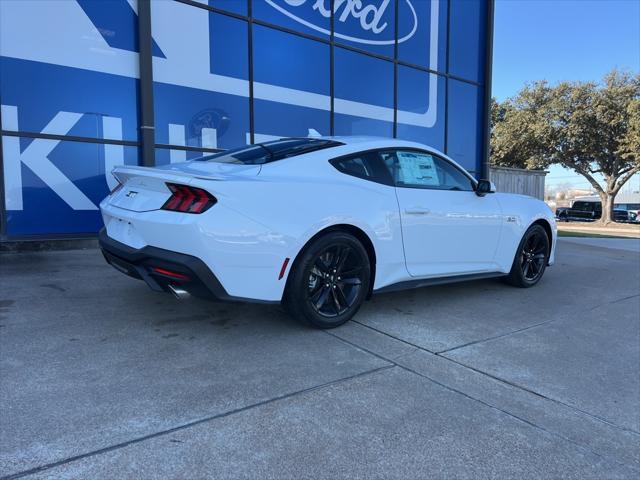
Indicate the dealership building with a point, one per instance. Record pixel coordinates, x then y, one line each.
86 85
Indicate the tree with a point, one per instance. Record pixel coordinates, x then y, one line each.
585 126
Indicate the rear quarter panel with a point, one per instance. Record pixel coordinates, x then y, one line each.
295 199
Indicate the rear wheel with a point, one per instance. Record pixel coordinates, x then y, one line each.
531 258
329 281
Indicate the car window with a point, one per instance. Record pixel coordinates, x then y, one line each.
366 165
587 206
270 151
417 169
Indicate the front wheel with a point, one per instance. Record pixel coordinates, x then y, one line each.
329 281
531 258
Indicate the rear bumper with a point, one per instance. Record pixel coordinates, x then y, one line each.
176 270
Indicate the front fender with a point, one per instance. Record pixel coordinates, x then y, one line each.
520 212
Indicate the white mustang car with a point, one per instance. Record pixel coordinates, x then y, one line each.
320 224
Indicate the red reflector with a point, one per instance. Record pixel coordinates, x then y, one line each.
284 268
169 273
116 188
188 199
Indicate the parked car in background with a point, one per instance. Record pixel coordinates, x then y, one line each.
633 210
561 213
588 211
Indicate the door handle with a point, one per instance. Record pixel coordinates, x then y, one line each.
417 211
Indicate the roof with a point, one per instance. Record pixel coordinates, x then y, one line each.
370 141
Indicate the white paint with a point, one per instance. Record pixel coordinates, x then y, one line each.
35 157
177 137
209 137
355 9
267 213
113 154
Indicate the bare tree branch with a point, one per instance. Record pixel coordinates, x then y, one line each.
622 180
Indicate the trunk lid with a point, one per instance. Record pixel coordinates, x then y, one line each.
144 188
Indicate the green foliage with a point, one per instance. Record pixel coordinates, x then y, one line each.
592 128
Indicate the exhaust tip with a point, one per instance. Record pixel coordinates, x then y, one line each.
179 293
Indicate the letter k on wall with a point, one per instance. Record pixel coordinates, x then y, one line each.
36 158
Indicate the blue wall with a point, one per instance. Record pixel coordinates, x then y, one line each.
70 69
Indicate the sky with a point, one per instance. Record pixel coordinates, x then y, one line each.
558 40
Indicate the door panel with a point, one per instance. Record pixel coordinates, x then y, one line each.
448 232
447 229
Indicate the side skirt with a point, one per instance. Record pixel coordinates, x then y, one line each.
426 282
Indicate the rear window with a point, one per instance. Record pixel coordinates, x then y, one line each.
270 151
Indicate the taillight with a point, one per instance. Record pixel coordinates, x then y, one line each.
116 188
188 199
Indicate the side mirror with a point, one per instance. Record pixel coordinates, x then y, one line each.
485 186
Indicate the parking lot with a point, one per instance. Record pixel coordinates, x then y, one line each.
102 378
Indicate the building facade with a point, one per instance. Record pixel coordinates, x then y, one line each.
86 85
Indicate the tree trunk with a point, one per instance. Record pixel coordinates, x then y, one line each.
607 207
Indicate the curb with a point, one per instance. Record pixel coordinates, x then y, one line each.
21 246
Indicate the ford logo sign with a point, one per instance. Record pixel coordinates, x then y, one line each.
370 15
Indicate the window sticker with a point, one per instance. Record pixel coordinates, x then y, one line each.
417 169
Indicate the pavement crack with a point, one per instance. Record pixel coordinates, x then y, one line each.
540 395
193 423
489 405
382 332
502 380
502 335
612 302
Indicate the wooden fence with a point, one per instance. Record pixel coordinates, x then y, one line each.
517 180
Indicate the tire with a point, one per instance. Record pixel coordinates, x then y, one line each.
329 281
531 258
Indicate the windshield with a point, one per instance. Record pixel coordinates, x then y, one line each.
270 151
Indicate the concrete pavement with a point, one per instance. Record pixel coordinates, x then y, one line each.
102 378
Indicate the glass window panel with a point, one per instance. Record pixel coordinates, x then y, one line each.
416 169
416 48
370 25
291 61
418 119
361 78
467 39
41 202
92 33
198 118
286 60
293 121
465 120
67 101
201 92
85 69
228 46
364 94
367 165
310 17
165 156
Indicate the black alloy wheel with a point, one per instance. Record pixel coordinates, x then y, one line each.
534 256
329 282
531 258
335 280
